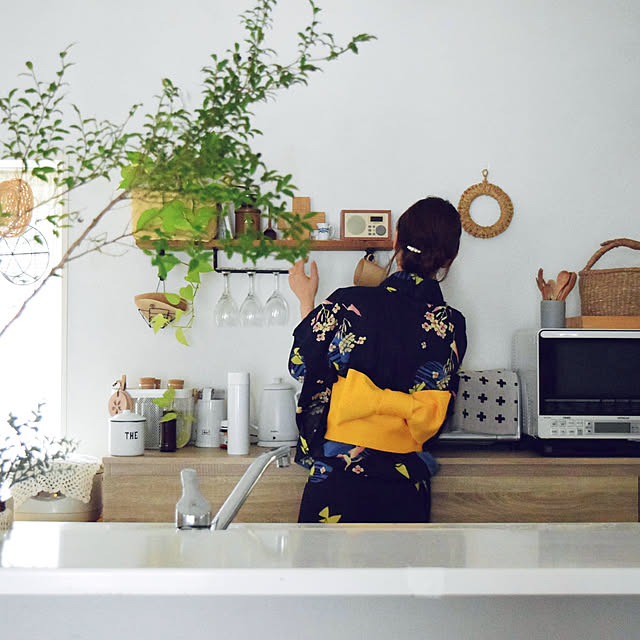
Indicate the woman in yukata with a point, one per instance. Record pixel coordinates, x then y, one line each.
378 367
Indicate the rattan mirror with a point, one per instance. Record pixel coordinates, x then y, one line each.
485 188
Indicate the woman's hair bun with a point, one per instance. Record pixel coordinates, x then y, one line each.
429 236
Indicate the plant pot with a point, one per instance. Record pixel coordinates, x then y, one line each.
6 515
142 200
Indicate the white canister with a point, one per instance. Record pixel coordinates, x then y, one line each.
238 413
210 412
126 434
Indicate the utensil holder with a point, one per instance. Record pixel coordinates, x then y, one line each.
552 314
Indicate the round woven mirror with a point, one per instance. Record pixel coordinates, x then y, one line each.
485 188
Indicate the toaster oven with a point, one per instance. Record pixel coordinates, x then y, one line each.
579 384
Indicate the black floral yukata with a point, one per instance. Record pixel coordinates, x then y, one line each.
403 337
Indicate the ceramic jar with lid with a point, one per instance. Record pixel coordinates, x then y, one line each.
126 434
247 219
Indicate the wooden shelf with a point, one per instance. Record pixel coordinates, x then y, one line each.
316 245
332 245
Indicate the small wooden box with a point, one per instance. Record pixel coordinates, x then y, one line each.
603 322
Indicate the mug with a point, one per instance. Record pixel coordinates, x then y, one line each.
368 272
324 231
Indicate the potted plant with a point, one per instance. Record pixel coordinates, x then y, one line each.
189 164
25 453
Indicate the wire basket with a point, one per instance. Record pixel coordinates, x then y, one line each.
610 292
183 405
16 203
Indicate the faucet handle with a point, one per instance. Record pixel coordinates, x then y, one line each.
193 510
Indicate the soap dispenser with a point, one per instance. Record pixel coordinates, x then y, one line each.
193 510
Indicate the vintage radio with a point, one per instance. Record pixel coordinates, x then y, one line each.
366 224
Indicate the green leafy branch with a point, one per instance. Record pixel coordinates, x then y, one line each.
26 453
196 163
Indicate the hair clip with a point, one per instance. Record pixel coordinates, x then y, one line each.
413 249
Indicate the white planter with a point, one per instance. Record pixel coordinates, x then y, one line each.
6 515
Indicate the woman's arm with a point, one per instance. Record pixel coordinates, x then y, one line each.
304 286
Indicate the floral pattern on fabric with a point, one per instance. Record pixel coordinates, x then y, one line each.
325 518
418 344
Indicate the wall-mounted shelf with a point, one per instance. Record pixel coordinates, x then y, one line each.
368 245
332 245
316 245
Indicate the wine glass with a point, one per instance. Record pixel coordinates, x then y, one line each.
251 311
226 310
276 309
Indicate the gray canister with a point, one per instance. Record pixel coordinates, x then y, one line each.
552 314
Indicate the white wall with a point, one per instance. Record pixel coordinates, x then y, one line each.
542 93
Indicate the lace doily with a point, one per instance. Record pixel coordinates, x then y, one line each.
72 477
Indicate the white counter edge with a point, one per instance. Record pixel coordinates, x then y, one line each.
420 582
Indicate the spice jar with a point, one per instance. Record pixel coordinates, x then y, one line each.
247 219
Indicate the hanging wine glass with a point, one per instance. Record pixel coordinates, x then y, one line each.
226 310
276 309
251 311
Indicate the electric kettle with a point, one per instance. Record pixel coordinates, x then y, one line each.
277 425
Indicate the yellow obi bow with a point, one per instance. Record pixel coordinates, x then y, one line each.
363 414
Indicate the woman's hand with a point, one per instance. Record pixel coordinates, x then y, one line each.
304 286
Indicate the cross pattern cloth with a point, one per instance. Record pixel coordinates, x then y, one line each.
487 403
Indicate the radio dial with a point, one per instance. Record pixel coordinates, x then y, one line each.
381 230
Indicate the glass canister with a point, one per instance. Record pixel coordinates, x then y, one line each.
182 404
184 407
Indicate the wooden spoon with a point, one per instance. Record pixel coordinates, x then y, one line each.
566 289
540 281
550 288
563 279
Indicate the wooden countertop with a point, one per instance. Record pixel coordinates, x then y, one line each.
446 454
496 483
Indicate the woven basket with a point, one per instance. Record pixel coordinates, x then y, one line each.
16 200
610 292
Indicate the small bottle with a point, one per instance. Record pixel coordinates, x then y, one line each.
224 433
168 433
238 413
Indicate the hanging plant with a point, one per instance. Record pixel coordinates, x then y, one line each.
192 163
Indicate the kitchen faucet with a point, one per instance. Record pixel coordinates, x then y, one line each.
193 511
